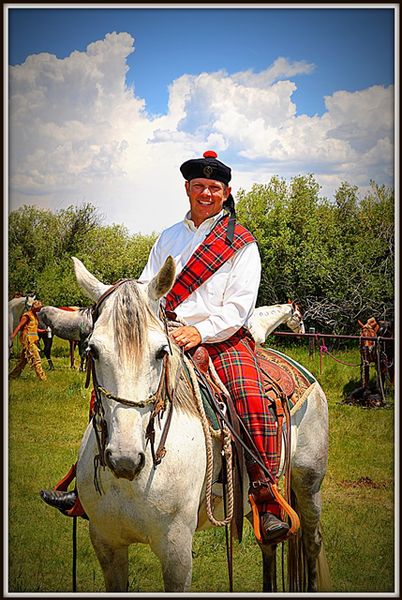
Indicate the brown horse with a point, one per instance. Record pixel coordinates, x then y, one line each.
375 350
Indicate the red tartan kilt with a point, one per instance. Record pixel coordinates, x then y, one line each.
236 364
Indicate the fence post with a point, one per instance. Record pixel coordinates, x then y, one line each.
311 346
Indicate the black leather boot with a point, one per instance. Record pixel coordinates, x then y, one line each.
64 501
273 530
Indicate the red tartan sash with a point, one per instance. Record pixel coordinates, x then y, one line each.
210 255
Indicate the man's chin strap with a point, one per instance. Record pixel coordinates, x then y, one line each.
229 205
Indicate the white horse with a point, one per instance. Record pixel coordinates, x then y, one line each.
265 319
129 500
16 307
73 325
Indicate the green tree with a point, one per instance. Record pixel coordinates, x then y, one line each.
41 244
335 258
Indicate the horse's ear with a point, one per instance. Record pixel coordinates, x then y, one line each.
88 282
163 281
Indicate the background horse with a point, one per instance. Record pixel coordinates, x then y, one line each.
265 319
377 353
16 307
67 323
126 497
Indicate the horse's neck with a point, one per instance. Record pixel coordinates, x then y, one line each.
274 316
17 303
16 308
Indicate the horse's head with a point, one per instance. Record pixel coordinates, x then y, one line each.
127 346
296 323
368 330
29 300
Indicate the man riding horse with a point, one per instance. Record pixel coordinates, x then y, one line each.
213 297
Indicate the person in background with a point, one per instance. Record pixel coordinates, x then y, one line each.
28 329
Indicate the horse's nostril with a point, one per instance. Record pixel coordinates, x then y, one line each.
108 455
124 466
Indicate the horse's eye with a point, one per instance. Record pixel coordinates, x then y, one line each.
162 351
92 349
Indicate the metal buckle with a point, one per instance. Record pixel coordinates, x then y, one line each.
222 408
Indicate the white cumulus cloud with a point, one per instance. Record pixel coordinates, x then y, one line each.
79 133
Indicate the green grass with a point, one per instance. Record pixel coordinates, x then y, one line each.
45 425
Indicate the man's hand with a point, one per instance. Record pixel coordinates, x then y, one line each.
186 337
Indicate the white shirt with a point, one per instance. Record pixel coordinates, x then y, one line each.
223 303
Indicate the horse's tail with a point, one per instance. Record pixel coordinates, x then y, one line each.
323 575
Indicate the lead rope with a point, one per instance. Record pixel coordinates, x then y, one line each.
74 554
378 369
227 452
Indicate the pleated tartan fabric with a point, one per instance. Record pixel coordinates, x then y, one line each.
210 255
236 364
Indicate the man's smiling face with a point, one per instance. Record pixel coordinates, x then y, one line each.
206 198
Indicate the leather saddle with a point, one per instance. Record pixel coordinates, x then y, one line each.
274 375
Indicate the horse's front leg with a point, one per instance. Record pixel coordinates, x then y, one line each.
174 550
113 560
47 348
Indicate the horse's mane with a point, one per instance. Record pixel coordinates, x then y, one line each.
184 399
132 319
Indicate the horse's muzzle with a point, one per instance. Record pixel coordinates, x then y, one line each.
124 467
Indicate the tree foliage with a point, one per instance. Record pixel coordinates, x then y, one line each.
335 258
41 244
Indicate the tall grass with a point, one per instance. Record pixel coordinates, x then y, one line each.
45 425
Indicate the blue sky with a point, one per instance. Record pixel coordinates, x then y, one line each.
314 69
351 48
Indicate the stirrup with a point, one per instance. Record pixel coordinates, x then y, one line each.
77 510
63 484
293 516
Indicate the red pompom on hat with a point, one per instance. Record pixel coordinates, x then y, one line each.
210 154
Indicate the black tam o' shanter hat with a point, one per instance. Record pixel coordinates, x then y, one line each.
209 167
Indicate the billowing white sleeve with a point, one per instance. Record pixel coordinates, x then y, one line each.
239 297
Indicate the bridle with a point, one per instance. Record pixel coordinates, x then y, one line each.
165 392
26 302
296 316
